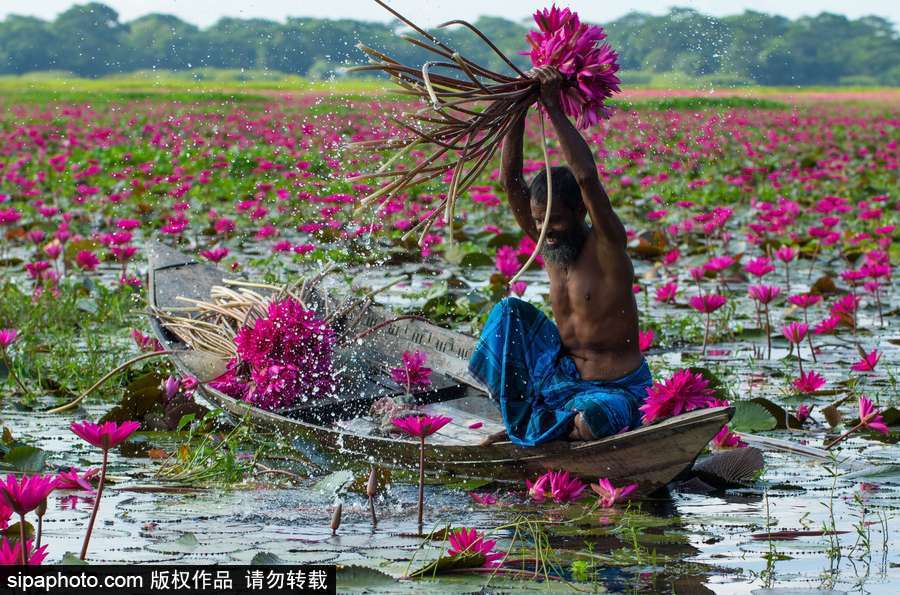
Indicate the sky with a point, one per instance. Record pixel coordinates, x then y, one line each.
433 12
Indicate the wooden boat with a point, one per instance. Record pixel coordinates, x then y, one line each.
339 430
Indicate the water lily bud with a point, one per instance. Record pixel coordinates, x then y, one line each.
41 510
372 485
170 387
336 518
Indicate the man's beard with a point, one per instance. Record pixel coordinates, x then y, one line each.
567 248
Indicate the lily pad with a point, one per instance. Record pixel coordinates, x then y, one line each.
783 418
460 561
362 578
751 417
266 558
333 483
27 459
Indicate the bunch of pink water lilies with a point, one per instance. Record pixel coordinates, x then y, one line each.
28 493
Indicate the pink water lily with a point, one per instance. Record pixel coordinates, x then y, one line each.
483 499
609 495
73 480
809 382
107 435
421 426
726 438
412 373
707 304
803 412
869 417
12 554
868 362
23 495
558 486
645 340
471 541
8 336
683 391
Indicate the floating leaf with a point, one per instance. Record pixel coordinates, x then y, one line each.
733 468
12 532
446 563
266 559
188 540
27 459
363 578
333 483
783 418
751 417
476 259
824 285
72 559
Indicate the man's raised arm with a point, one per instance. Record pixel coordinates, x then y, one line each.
580 159
512 179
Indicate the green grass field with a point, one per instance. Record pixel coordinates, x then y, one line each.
230 86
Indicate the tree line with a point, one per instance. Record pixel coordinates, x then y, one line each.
90 40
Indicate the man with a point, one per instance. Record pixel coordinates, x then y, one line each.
585 377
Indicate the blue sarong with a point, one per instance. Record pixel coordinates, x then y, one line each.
519 359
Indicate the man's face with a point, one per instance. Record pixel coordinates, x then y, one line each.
565 232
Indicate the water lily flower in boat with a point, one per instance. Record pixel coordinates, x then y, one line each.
413 374
683 391
609 494
559 486
104 436
707 304
471 541
868 362
725 438
421 426
11 554
518 288
144 342
809 382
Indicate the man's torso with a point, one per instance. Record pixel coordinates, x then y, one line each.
596 312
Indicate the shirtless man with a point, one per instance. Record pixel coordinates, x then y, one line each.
584 377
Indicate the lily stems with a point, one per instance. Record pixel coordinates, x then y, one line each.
809 336
8 361
421 482
22 538
844 436
90 527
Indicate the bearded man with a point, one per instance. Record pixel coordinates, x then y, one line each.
583 377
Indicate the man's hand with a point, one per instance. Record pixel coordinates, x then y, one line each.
551 82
